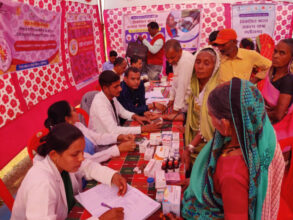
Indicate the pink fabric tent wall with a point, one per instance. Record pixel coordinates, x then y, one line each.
26 95
214 16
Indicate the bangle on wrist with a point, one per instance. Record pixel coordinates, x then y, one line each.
191 148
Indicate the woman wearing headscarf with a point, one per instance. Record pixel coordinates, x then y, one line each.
238 174
199 128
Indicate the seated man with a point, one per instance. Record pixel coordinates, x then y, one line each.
132 96
109 65
119 67
105 109
136 61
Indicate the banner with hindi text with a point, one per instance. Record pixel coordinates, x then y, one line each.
29 36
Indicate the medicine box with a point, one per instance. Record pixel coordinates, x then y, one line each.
151 168
143 146
160 179
155 139
176 136
149 152
171 201
161 152
167 139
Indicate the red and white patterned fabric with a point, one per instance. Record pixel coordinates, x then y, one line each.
10 106
214 16
37 84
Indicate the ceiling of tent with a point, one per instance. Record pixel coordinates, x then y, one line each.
110 4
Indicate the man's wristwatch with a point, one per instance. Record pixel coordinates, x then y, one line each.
191 148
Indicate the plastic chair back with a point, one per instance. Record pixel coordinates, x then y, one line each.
34 142
86 103
83 115
85 215
6 195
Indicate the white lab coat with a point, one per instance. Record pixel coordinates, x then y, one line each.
102 116
41 195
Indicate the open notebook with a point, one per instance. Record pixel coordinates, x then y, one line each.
136 204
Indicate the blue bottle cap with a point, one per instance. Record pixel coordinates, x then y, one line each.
150 180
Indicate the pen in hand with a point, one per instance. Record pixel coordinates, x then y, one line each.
105 205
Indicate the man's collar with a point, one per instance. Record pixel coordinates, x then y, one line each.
106 96
239 55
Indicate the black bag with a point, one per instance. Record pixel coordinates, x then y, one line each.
138 49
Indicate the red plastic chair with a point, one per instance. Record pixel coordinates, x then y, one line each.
85 215
6 195
286 201
34 142
84 114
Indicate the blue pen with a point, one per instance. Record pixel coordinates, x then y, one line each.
105 205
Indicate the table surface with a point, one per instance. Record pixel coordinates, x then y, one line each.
126 162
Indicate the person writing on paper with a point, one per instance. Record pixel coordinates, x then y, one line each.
48 189
238 174
99 147
155 51
182 62
106 109
199 128
132 96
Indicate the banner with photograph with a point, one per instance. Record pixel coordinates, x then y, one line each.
81 47
29 36
251 20
182 25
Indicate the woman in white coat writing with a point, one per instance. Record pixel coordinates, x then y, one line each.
47 191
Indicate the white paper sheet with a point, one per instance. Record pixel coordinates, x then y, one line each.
154 94
136 204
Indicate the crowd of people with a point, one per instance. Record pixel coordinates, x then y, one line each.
235 102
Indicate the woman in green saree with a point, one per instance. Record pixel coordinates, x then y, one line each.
199 128
238 174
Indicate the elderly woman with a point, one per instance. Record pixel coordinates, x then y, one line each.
199 128
278 89
238 174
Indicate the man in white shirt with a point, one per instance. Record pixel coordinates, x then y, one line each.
183 63
120 67
155 51
105 110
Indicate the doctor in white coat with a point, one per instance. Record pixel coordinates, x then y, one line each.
47 191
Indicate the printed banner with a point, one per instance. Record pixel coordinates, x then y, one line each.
249 21
29 36
182 25
81 47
